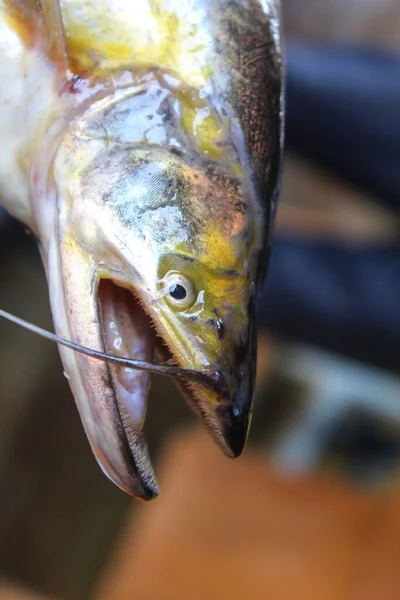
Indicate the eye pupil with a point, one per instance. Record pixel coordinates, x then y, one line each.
177 292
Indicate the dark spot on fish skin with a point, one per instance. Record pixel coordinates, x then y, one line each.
184 257
176 151
211 171
240 207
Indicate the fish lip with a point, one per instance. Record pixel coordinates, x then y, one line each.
138 479
143 486
140 489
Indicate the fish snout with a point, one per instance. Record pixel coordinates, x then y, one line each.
227 410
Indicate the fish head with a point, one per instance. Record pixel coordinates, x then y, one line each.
200 291
159 256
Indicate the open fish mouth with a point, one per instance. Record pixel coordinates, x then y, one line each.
129 346
128 331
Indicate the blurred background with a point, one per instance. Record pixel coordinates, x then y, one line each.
312 510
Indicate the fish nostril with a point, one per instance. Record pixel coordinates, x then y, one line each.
220 329
218 324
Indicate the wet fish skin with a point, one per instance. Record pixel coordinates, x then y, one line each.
115 195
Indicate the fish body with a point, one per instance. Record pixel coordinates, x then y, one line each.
144 143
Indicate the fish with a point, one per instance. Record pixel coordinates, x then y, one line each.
142 146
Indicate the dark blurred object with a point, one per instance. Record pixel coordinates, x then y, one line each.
7 226
342 298
343 112
363 445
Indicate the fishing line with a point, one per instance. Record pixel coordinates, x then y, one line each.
132 363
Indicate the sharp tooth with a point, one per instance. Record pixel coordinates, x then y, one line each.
144 485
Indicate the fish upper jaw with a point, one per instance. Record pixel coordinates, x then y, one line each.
226 407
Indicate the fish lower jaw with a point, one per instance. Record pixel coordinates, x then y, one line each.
112 399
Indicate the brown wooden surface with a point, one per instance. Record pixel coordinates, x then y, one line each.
379 572
13 592
234 529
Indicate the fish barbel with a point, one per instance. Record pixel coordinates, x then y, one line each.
141 144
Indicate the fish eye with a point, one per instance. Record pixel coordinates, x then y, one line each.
178 289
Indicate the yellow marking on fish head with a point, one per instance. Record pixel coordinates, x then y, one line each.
135 35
